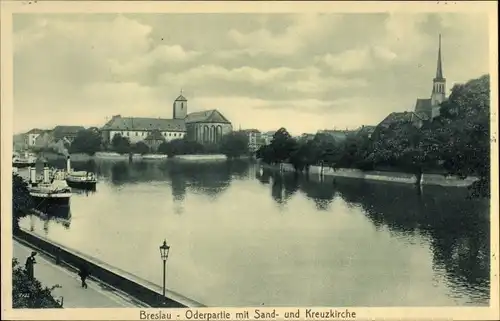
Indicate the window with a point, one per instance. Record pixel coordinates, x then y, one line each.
136 134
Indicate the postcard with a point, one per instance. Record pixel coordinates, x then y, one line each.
249 160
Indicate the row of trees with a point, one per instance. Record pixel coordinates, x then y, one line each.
456 142
234 144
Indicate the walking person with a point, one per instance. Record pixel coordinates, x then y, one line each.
30 265
84 274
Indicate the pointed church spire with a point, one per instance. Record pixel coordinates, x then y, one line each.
439 71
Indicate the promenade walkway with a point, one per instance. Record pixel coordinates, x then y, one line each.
97 295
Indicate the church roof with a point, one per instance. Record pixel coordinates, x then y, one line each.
400 117
180 98
207 116
149 124
423 107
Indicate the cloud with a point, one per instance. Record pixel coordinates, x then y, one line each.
161 55
303 71
306 81
304 29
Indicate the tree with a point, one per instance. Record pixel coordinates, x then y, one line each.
234 144
21 200
120 144
282 145
141 148
180 146
87 141
28 293
466 114
265 153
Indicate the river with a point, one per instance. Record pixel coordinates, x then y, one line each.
242 236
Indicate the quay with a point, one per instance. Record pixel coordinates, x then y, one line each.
114 287
71 295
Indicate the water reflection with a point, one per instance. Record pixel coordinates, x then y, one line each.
59 214
456 229
458 233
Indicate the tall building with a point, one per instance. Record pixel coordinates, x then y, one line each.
254 139
429 107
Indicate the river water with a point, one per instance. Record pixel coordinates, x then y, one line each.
242 236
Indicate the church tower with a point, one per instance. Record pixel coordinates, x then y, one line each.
439 85
180 107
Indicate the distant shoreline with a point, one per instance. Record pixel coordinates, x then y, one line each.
384 176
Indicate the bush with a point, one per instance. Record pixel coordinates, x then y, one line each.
141 148
120 144
28 293
21 200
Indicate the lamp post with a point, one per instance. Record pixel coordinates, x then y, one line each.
164 249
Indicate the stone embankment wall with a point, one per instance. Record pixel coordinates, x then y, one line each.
395 177
207 157
116 156
443 180
142 290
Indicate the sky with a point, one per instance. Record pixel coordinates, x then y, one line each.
304 72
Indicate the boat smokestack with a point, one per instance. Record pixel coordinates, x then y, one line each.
32 171
46 178
68 164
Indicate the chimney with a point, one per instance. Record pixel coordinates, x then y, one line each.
68 164
46 178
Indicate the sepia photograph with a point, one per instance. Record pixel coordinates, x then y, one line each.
270 159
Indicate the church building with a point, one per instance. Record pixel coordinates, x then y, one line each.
426 109
429 107
206 127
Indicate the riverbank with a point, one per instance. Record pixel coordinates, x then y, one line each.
385 176
137 157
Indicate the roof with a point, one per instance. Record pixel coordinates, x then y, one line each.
423 105
439 70
250 131
35 131
155 135
336 134
367 129
61 131
207 116
181 98
406 116
144 124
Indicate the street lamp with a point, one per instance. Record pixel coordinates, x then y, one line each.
164 249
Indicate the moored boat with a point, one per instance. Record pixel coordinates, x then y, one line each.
24 160
48 190
80 179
